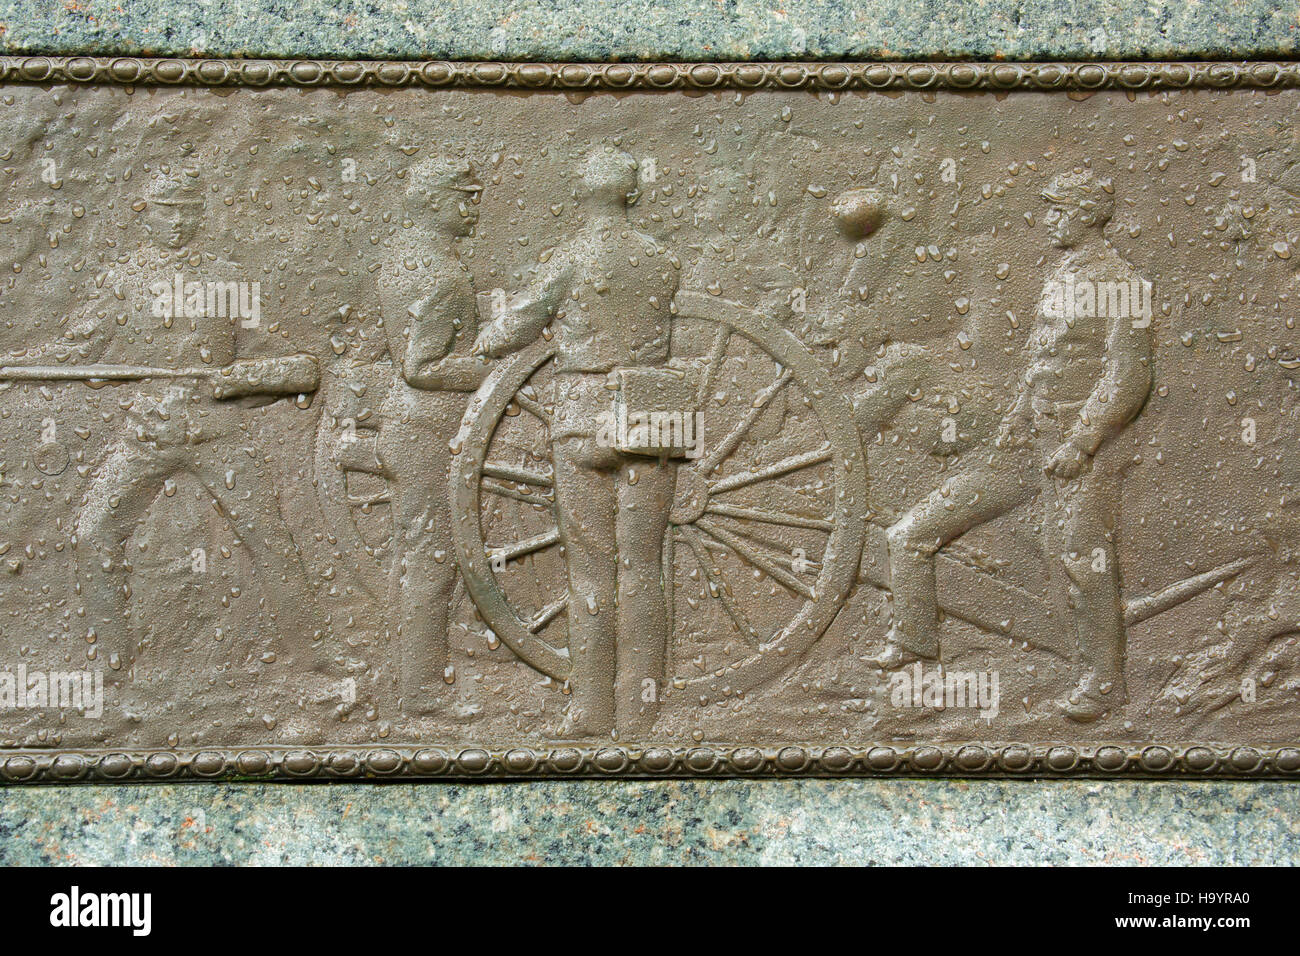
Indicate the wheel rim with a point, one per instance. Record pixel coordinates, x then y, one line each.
698 526
843 550
470 453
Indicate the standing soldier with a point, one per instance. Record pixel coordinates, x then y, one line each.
427 302
1089 375
609 291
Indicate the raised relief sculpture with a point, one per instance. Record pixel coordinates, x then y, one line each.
610 292
402 430
1088 375
429 310
173 337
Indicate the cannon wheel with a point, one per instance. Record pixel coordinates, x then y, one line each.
693 521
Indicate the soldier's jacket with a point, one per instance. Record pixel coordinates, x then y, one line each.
431 314
1090 365
610 292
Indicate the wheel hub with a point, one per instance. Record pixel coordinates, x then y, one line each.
691 498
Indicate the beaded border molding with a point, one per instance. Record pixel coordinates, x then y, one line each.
954 76
1152 761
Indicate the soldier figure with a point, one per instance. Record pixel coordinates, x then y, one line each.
850 335
192 423
427 302
609 291
1089 375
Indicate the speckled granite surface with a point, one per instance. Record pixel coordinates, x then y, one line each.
649 29
812 821
769 822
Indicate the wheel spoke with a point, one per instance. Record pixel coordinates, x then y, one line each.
668 578
779 548
505 491
716 355
756 558
768 517
728 444
547 614
534 408
522 516
524 476
783 467
522 548
719 588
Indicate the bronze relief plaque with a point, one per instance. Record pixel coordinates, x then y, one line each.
434 419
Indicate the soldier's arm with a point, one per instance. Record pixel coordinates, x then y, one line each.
256 381
275 377
428 362
1124 386
902 370
524 319
419 332
453 373
430 333
394 328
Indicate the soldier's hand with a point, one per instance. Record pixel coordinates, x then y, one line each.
492 341
1067 462
285 375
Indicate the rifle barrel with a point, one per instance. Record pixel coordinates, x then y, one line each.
93 373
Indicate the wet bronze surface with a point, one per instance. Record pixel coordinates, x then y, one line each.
705 430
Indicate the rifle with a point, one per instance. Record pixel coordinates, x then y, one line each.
283 375
96 373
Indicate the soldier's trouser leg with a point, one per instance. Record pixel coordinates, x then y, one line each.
251 504
1080 518
117 500
585 501
421 585
970 499
643 625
